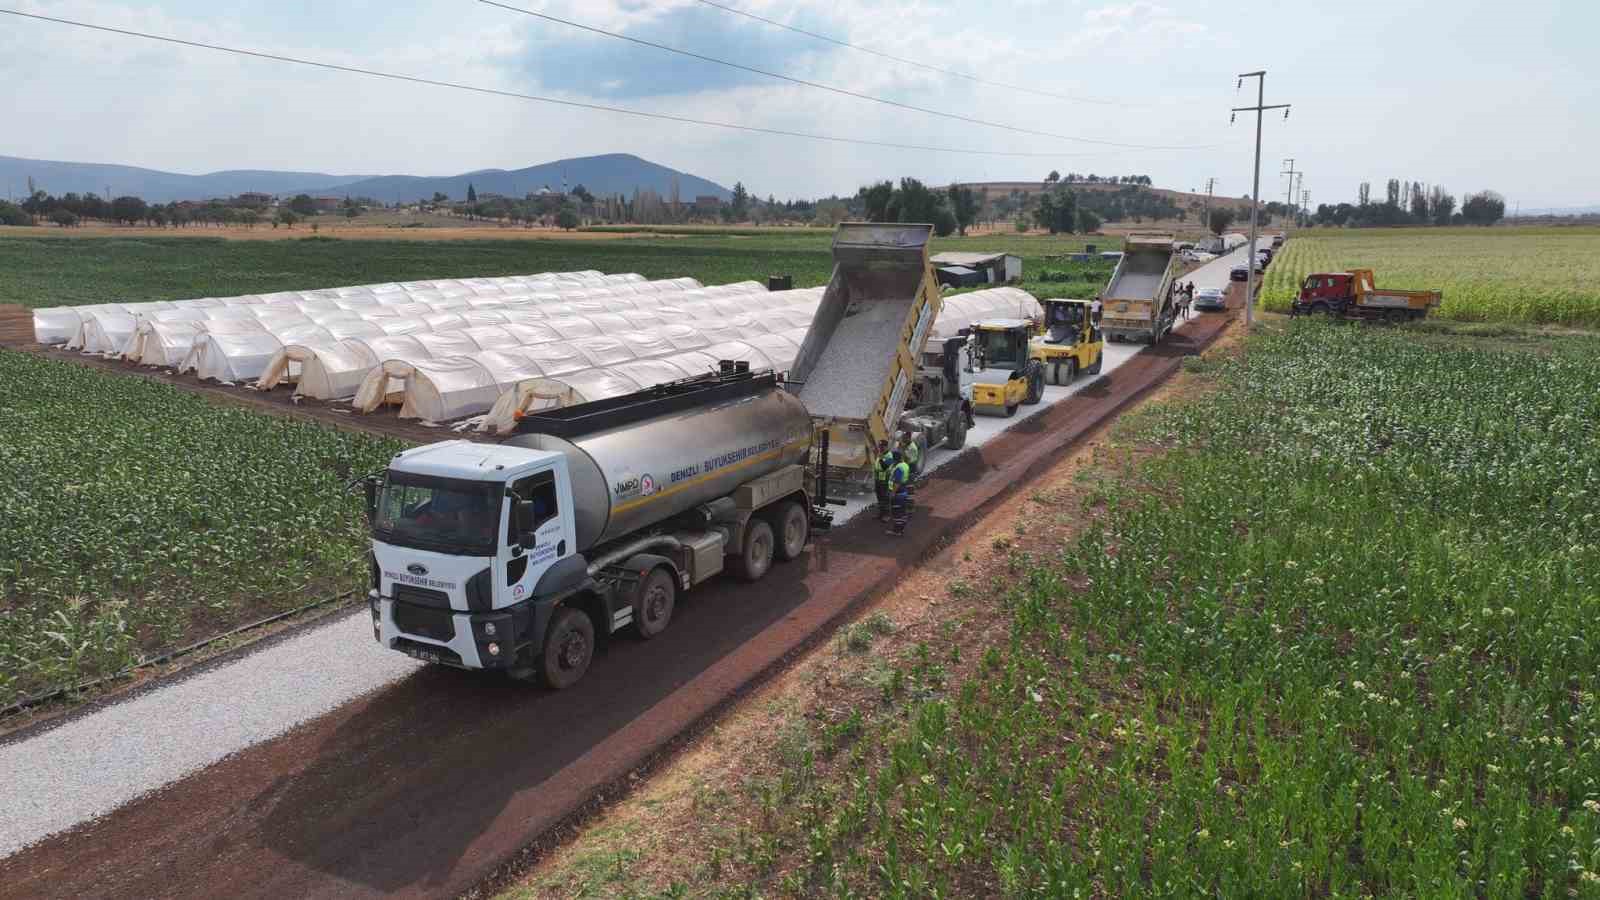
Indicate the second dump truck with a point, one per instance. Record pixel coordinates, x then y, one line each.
592 518
1353 295
1138 303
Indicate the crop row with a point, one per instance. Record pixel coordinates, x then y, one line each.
137 516
1527 275
1362 664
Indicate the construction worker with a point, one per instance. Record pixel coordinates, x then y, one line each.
880 479
900 486
912 454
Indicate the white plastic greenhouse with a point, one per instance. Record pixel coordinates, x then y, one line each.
78 327
158 338
431 386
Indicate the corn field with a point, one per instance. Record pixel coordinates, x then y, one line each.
1360 665
1525 275
134 518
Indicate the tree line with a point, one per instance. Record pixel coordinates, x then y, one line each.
1411 203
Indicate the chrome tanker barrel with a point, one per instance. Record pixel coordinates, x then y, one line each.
643 458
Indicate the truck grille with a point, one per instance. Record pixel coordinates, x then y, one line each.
424 621
421 596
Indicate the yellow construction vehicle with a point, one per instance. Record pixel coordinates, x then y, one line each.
1071 343
1004 376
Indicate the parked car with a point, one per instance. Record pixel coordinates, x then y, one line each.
1210 298
1197 256
1239 273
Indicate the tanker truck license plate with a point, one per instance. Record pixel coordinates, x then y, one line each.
424 655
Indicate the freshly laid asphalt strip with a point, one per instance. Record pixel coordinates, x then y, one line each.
426 786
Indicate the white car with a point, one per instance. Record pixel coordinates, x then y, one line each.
1197 256
1210 298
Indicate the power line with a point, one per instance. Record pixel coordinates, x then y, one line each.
414 79
911 62
838 90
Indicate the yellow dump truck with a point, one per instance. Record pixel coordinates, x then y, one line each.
1138 303
860 360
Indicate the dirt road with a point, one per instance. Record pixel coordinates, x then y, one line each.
425 787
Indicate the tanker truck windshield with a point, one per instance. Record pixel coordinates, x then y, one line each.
441 514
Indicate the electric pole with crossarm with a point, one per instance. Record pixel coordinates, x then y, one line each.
1255 194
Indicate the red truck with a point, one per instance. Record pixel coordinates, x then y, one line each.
1352 295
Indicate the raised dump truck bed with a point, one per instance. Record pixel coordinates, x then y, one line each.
1138 302
859 360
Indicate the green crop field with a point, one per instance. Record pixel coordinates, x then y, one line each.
64 271
1529 275
137 517
1361 664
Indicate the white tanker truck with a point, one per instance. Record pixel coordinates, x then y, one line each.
591 518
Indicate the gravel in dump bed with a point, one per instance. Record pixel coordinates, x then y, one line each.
848 376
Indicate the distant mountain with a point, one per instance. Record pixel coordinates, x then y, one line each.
154 186
1562 211
613 173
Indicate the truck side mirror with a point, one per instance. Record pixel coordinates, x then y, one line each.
369 488
522 523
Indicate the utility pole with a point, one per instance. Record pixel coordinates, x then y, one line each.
1299 178
1305 203
1255 194
1211 184
1288 200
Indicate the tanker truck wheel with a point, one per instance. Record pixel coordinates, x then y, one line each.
658 596
568 648
756 557
794 527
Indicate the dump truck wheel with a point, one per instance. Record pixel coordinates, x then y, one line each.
756 557
1035 387
658 597
1319 309
568 648
955 431
794 527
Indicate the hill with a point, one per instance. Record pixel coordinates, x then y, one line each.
611 173
154 186
1181 198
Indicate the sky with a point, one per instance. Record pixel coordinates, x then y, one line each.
1467 94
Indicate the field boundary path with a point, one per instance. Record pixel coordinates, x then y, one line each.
429 785
16 325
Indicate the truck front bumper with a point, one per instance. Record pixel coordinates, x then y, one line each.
475 640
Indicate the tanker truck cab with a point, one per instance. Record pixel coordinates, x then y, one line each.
590 519
462 536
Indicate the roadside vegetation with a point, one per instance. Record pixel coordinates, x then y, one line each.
138 518
1513 274
1327 631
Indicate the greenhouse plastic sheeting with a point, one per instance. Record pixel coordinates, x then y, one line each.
458 376
441 390
162 343
962 310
